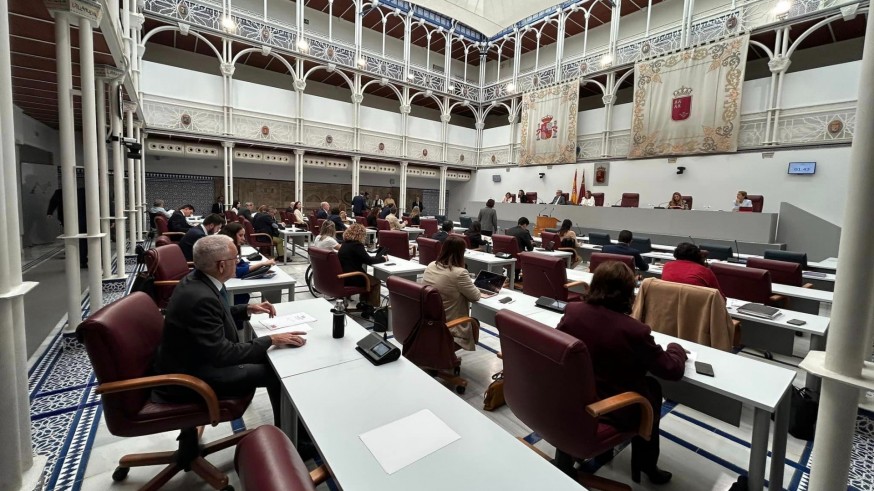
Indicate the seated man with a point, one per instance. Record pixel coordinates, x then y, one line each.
393 222
200 337
339 223
523 236
246 211
324 209
265 223
158 208
211 225
178 222
385 212
444 231
625 249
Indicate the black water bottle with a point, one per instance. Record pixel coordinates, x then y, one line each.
339 320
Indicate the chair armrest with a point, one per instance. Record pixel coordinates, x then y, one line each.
259 234
197 385
319 475
807 285
166 282
355 273
777 298
620 401
568 249
462 320
575 283
174 234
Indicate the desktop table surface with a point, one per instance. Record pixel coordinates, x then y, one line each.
399 266
362 397
280 279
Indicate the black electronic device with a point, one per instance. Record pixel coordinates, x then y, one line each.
551 304
258 273
254 257
759 310
719 252
377 350
489 283
388 264
704 368
599 239
796 322
503 255
506 300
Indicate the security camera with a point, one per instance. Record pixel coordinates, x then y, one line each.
541 174
681 169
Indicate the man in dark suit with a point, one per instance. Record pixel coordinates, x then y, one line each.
219 205
246 210
210 226
523 236
265 223
444 231
200 337
625 249
559 198
324 210
335 217
359 203
178 222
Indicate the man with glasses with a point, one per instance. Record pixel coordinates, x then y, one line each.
200 337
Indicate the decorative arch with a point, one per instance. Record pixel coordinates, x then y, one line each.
330 70
432 96
274 55
808 32
190 33
387 84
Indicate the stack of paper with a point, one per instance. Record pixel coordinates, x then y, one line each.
403 442
289 322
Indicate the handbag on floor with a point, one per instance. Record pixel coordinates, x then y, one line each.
803 409
494 395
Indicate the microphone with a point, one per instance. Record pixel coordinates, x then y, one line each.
552 211
736 257
540 213
617 202
661 206
693 240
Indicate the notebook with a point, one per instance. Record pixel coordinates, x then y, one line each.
759 310
488 283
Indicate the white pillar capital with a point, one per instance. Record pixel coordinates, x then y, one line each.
299 151
357 98
779 64
356 159
130 107
228 144
479 125
137 20
86 9
608 99
228 69
405 109
300 85
445 117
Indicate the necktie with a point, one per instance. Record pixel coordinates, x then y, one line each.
223 293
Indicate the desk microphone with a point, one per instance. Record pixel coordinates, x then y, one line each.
693 240
736 257
552 211
540 213
617 202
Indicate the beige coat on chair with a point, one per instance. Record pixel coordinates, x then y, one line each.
457 291
689 312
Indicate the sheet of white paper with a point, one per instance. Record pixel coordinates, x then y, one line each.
407 440
289 320
295 328
691 356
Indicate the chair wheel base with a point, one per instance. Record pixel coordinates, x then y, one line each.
120 474
460 389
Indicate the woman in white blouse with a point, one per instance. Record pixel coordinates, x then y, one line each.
327 237
298 214
589 200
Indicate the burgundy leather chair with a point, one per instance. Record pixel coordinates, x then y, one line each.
567 198
599 199
463 237
546 276
382 224
509 245
758 202
782 272
429 250
161 225
162 240
602 257
361 221
168 266
230 216
266 460
313 226
396 243
630 200
415 304
122 339
531 197
328 275
429 225
547 237
549 384
262 242
750 284
688 200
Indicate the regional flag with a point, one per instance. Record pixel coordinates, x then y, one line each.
574 198
583 187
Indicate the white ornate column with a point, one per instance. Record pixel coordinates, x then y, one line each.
444 130
779 65
89 154
145 197
228 171
405 117
479 125
608 100
104 75
116 108
298 175
402 195
16 452
138 171
67 135
357 97
441 206
129 109
299 87
842 367
356 175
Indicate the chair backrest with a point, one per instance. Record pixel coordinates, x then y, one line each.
545 275
382 224
319 222
630 200
230 215
396 243
121 340
429 249
465 221
326 266
549 237
505 243
750 284
567 197
531 197
463 237
716 251
166 264
789 256
152 219
782 272
758 202
416 303
548 382
642 244
599 199
265 460
162 240
602 257
688 200
429 225
161 224
313 226
360 220
600 239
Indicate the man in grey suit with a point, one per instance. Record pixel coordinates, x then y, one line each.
200 337
559 199
488 218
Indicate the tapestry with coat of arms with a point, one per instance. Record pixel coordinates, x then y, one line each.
549 125
689 102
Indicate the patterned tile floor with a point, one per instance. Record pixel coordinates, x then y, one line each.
703 453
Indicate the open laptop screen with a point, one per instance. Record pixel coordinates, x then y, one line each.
488 281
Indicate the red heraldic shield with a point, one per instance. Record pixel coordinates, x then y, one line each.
681 106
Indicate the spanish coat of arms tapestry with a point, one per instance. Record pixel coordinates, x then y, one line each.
549 125
689 102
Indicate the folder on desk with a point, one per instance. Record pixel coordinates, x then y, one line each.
759 310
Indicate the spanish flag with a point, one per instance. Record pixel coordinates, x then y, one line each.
574 199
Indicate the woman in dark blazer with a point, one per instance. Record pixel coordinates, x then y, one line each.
623 352
353 257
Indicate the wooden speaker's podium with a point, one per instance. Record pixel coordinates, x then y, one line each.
544 222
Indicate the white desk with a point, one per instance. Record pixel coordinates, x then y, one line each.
288 236
279 282
490 262
733 375
826 265
576 275
413 232
566 255
484 309
401 267
339 403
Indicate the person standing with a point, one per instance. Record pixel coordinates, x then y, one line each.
359 203
389 201
488 218
219 205
417 203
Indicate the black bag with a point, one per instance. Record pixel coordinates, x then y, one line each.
141 254
380 319
254 257
144 282
803 410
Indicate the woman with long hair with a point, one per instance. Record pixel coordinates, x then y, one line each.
237 233
327 237
297 211
449 276
677 202
623 353
568 238
414 217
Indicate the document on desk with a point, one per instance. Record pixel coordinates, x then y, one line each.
285 321
419 435
691 356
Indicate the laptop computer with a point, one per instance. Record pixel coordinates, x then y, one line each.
489 284
759 310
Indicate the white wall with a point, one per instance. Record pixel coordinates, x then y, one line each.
179 83
712 181
29 131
